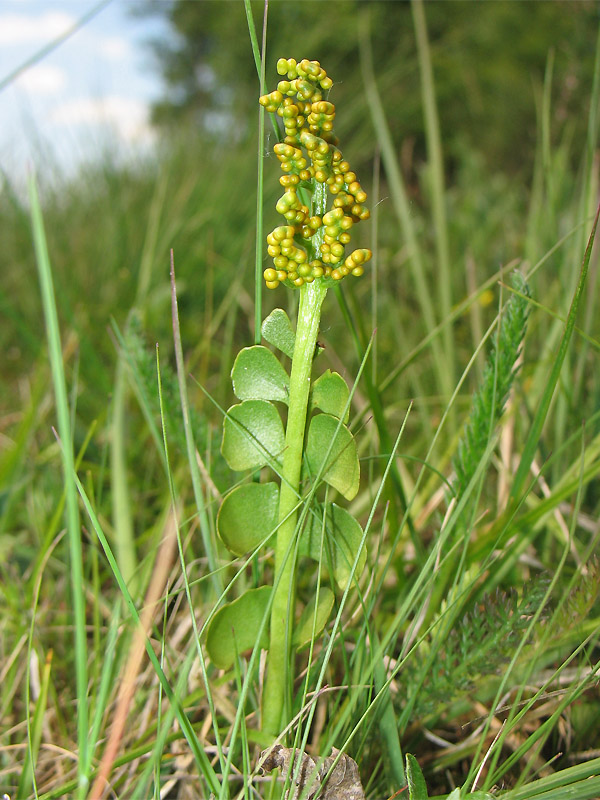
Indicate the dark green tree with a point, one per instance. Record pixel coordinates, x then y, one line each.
489 64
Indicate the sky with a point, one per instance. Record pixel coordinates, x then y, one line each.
91 92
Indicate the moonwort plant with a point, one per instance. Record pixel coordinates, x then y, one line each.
315 449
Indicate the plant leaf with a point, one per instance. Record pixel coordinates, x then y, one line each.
277 330
417 788
236 626
328 439
252 435
258 375
344 537
248 516
303 631
330 393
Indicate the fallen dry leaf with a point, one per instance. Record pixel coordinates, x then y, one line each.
307 780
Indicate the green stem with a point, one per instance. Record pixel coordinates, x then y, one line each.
279 675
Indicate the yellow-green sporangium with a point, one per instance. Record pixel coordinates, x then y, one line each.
311 161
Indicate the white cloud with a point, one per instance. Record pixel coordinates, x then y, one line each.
43 79
114 48
124 115
18 29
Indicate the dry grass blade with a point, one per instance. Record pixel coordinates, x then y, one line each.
127 686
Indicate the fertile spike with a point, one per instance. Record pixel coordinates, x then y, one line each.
309 154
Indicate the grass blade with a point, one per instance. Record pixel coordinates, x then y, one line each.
400 200
535 431
200 756
436 179
72 510
207 539
259 60
35 730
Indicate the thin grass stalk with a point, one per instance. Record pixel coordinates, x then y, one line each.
200 756
460 309
424 582
122 517
586 204
376 190
124 533
207 539
150 246
40 54
427 566
548 725
465 304
259 60
98 665
537 425
549 219
546 130
134 657
430 588
514 712
188 594
385 440
388 722
109 654
162 726
163 731
436 181
401 203
260 63
49 545
68 787
34 727
13 459
563 785
72 510
532 244
246 770
540 735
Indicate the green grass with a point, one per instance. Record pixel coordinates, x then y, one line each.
471 640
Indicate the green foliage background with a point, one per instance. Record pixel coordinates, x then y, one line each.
489 60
